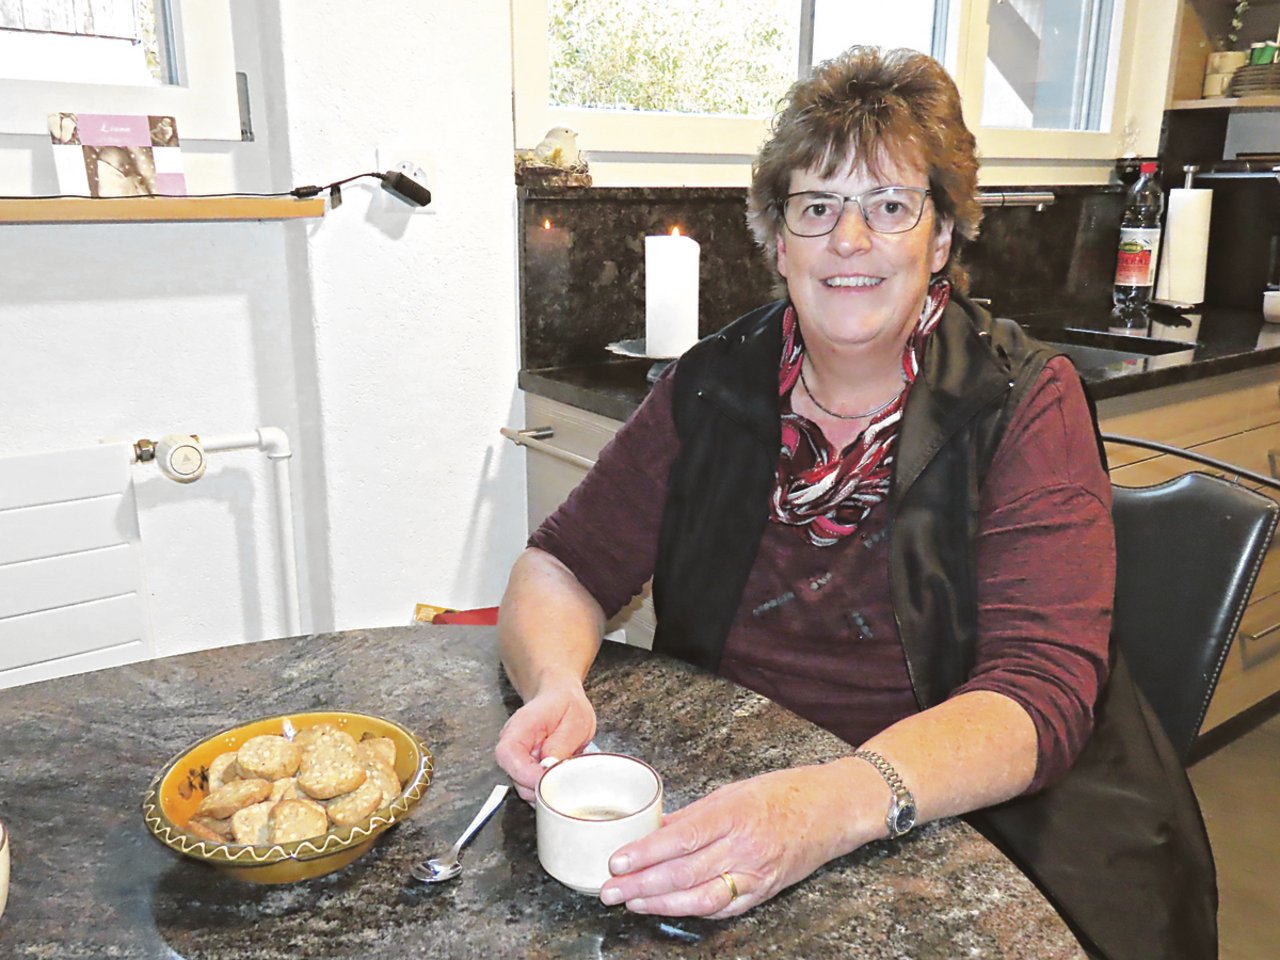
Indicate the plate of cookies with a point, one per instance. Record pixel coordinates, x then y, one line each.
288 798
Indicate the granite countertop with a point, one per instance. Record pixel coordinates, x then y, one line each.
1174 349
89 881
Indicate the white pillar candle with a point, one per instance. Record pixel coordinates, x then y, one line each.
670 294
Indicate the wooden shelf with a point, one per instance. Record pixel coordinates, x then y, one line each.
1265 101
157 209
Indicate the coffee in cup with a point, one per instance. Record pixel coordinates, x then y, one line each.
587 807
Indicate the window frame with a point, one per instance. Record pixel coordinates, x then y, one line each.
618 131
205 100
1133 125
1039 144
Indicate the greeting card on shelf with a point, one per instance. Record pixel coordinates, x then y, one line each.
111 155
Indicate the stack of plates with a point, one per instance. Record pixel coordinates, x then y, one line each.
1254 80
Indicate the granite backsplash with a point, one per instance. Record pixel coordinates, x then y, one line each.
582 260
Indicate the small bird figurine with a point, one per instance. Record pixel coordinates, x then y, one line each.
559 148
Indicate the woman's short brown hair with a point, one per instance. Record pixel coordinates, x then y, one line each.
871 103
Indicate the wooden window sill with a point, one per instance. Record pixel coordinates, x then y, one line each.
157 209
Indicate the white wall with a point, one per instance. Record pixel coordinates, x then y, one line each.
384 342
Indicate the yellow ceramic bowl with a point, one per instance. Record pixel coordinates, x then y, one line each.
179 787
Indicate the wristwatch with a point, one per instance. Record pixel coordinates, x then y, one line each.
902 806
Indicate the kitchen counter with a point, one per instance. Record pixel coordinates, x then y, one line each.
89 881
1215 341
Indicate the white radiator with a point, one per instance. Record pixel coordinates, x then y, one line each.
71 587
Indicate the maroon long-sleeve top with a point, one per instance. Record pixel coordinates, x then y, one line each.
815 629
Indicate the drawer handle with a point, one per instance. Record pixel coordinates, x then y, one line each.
1273 461
535 438
1254 637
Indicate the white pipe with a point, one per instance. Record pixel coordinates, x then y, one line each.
274 442
231 441
288 552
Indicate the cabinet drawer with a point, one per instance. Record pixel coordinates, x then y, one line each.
1190 414
1256 450
551 478
576 432
1251 671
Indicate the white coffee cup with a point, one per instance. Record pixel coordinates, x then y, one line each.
1227 61
587 807
4 867
1216 84
1271 306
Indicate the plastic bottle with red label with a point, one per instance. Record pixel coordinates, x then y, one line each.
1139 251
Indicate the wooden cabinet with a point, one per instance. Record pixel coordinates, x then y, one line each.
1197 129
1235 418
1201 28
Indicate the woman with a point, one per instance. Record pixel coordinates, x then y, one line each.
895 573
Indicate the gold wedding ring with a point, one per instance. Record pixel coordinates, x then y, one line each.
733 887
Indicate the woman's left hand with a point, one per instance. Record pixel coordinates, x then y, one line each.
766 833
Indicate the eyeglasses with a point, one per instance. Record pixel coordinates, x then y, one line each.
813 213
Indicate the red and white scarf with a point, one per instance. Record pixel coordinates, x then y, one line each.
823 490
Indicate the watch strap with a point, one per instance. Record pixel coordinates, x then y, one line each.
902 797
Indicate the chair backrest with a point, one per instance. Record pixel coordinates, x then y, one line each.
1187 554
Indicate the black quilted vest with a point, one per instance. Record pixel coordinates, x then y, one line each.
1118 846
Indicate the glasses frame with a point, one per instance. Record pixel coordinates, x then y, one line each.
924 192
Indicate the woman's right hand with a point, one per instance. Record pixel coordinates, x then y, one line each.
557 722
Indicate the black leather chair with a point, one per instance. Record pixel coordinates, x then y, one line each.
1187 554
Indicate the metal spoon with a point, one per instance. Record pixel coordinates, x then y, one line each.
447 867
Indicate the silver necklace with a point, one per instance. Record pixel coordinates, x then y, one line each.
847 416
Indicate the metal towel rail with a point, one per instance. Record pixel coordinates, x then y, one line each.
535 438
1016 198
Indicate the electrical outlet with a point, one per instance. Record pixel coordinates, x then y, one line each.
415 163
414 171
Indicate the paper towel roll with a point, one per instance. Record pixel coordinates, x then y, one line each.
1185 249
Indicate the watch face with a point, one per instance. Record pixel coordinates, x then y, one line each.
906 818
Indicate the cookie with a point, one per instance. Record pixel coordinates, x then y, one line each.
291 820
286 789
223 770
384 748
324 735
351 808
196 827
219 828
249 824
385 777
307 735
268 757
234 796
328 770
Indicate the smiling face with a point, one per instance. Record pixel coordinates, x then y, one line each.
854 287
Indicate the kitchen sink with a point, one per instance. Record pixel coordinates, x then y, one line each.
1100 356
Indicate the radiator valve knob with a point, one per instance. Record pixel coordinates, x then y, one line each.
181 457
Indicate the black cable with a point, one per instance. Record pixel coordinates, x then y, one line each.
312 190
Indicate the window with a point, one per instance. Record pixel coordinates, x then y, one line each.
1040 78
918 24
1044 77
1046 64
119 56
112 41
728 60
683 76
